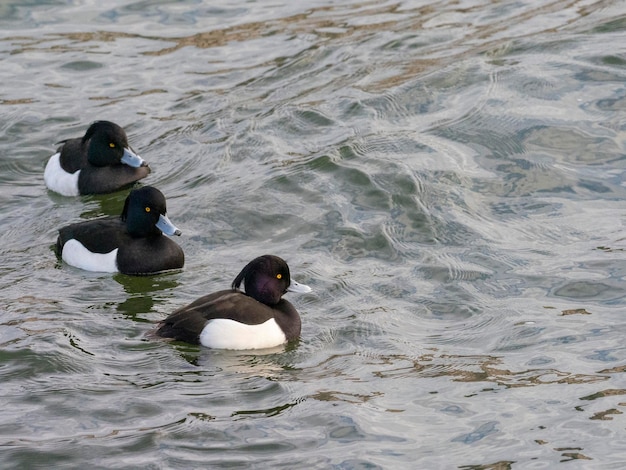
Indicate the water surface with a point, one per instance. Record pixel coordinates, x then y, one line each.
447 176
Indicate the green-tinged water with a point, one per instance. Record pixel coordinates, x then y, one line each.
447 176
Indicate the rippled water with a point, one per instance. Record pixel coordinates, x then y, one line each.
448 176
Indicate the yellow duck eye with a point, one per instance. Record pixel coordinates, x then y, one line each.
279 276
147 209
112 145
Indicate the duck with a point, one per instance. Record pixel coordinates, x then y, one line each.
132 243
100 162
256 318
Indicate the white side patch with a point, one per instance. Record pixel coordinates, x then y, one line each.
228 334
75 254
59 180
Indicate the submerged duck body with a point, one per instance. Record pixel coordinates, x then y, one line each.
99 162
132 243
231 319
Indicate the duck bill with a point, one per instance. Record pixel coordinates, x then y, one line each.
298 288
166 226
130 158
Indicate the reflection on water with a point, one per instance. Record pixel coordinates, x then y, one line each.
448 177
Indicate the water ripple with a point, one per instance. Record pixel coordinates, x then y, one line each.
448 177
